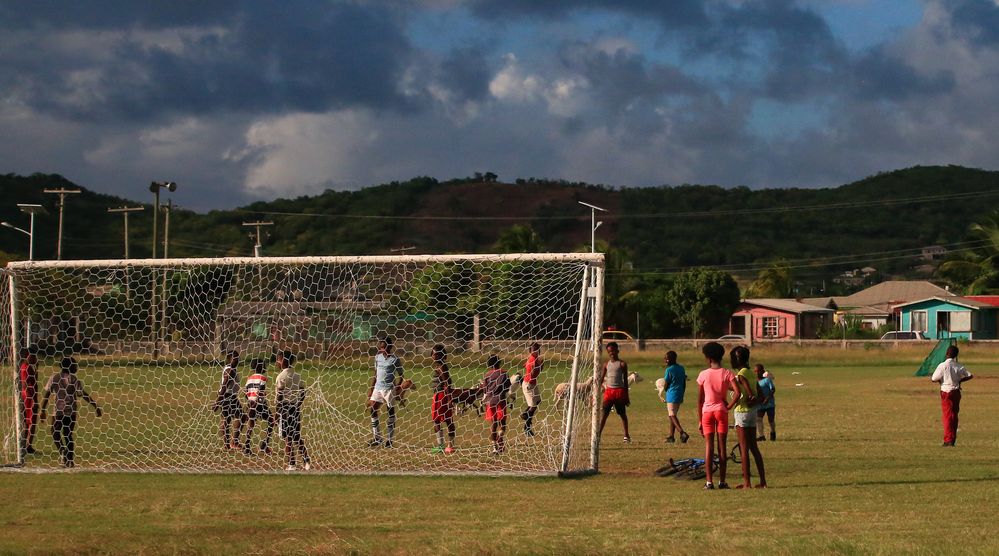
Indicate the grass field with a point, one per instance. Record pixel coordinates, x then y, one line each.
857 469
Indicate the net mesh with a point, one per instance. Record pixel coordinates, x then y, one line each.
149 340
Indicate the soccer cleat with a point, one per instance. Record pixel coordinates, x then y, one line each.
437 450
388 443
627 440
670 440
723 486
709 486
307 466
684 437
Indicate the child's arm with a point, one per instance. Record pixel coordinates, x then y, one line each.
86 397
700 405
734 386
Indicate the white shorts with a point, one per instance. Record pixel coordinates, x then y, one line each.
672 409
384 395
746 420
531 394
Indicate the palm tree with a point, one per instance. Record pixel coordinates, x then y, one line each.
519 239
774 281
977 271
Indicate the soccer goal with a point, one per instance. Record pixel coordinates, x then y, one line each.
149 340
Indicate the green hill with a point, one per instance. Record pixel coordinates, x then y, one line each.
660 229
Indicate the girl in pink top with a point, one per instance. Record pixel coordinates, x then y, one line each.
713 385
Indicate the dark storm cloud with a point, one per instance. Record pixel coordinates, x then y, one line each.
466 72
58 15
671 14
304 55
877 76
977 19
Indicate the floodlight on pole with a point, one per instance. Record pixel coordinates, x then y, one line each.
593 224
155 188
62 202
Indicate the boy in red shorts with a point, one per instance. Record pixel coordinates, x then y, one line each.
28 386
442 408
495 390
614 377
713 385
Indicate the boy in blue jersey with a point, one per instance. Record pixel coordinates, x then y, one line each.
676 384
387 375
768 407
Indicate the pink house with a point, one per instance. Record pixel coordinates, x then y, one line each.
774 319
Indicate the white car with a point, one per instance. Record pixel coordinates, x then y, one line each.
904 335
732 338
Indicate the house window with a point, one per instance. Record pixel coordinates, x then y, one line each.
954 321
771 327
918 323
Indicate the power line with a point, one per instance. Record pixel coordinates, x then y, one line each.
686 214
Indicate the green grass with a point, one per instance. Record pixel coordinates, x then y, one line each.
857 469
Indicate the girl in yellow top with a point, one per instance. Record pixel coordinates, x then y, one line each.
747 398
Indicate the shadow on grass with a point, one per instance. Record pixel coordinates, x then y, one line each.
899 482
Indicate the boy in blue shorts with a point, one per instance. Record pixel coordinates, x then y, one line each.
768 407
676 384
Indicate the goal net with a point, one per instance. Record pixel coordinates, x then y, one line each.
148 341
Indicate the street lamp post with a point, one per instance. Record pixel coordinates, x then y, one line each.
258 244
593 224
31 210
62 202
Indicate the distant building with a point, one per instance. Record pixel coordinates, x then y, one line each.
951 317
934 253
876 305
776 319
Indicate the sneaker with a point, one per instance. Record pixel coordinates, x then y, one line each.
437 450
449 450
709 486
307 466
684 437
388 443
627 440
290 468
29 450
773 436
761 438
375 442
670 440
723 486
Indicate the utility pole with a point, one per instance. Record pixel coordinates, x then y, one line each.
124 212
166 228
62 202
257 225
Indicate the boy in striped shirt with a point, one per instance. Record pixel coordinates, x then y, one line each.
256 404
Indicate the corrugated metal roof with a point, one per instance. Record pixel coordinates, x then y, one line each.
894 291
789 305
955 299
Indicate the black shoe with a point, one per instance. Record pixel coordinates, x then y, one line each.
709 486
388 443
670 440
523 415
374 443
723 486
948 444
761 438
773 436
29 450
684 437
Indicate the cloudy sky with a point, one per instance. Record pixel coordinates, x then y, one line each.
244 100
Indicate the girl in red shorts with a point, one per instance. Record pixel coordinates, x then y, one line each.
713 385
442 408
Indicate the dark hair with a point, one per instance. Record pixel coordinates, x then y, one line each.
759 366
494 362
671 357
230 355
612 345
439 351
952 352
258 365
536 346
713 351
739 356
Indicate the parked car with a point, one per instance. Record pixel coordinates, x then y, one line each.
732 338
904 335
616 336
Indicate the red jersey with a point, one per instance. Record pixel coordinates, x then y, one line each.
29 381
533 368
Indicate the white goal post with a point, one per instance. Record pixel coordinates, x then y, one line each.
148 341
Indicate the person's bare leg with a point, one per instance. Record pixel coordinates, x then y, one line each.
743 435
754 447
722 455
709 454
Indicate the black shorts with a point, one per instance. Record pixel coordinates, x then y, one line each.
290 424
232 409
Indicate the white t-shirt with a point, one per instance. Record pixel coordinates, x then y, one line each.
949 374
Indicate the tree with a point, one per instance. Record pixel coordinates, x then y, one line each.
519 239
703 299
774 281
977 271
